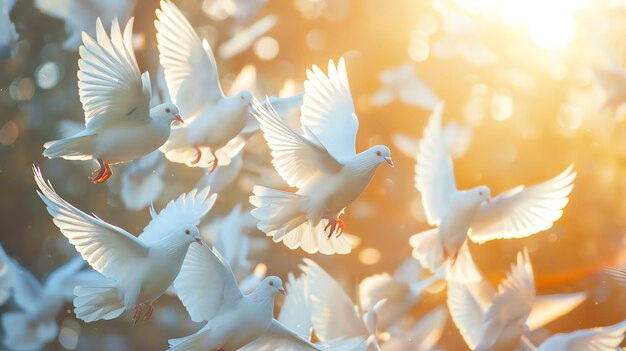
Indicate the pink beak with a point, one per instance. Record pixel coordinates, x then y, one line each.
282 292
389 161
179 119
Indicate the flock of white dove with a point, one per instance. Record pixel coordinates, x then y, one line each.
203 127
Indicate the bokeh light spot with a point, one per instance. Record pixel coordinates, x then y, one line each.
369 256
266 48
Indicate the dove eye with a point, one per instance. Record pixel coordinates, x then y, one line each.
378 153
187 231
167 110
271 283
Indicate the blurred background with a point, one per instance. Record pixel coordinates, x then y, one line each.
529 87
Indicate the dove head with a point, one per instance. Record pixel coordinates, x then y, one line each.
166 113
380 154
273 285
245 97
190 233
481 193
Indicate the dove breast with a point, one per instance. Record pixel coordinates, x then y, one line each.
112 144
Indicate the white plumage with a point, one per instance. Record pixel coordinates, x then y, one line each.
516 213
140 269
209 291
321 163
213 134
119 125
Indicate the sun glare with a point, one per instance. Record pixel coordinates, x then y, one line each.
550 24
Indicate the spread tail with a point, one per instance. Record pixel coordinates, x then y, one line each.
282 215
428 249
191 342
178 150
73 148
94 303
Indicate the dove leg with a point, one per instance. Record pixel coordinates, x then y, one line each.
336 226
213 163
198 155
107 174
149 313
137 314
97 174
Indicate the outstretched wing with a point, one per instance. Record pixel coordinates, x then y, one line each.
206 283
333 313
511 305
108 249
521 212
596 339
279 337
187 209
434 177
295 157
466 312
109 82
190 68
328 110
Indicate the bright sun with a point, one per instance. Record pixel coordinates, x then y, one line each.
550 23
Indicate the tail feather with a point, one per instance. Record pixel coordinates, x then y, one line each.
462 269
191 342
282 215
429 250
73 148
94 303
22 333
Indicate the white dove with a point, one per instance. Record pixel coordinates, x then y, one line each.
119 126
215 122
8 34
35 325
402 291
595 339
80 15
516 213
322 163
209 291
502 325
155 256
499 321
333 314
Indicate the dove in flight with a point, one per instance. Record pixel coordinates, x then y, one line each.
322 163
34 324
154 258
208 289
295 314
215 122
499 320
595 339
459 214
334 315
402 291
119 125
